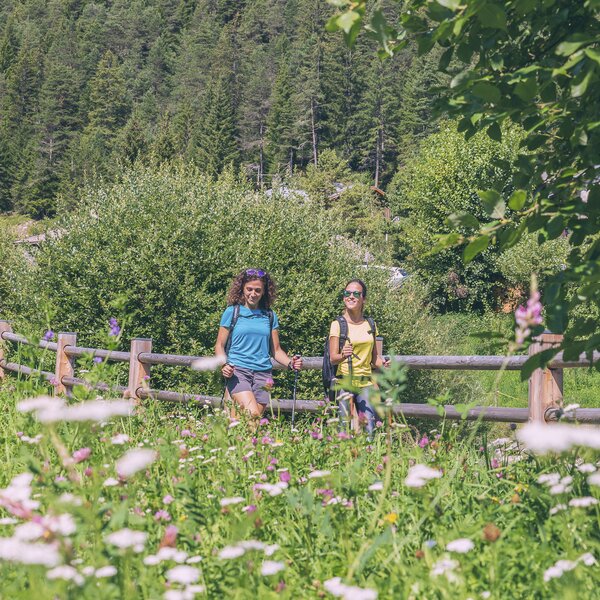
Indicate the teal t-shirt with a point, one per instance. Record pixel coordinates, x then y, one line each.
250 338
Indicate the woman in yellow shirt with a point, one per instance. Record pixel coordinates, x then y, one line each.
358 355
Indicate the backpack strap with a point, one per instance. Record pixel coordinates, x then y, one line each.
343 330
271 319
373 327
234 320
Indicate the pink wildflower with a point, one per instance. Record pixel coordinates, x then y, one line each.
528 316
168 499
170 537
81 454
423 442
162 515
285 476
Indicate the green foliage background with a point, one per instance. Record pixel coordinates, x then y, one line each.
443 179
159 248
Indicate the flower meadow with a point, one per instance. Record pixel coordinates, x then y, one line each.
108 498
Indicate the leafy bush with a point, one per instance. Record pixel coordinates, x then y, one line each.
158 250
527 256
442 179
13 267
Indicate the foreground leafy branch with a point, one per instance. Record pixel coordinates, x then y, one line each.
535 64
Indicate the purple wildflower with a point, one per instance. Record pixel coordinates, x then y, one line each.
495 463
115 330
49 335
285 476
424 441
97 359
264 421
162 515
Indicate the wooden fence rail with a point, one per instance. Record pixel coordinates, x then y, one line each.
545 385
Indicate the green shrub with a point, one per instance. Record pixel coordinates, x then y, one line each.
158 250
443 178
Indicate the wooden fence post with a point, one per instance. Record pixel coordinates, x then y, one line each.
65 365
139 373
4 327
545 385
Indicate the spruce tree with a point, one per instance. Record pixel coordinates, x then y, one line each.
9 45
216 145
280 145
6 171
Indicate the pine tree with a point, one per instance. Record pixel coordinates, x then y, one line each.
9 45
109 103
374 120
280 146
6 171
419 91
216 146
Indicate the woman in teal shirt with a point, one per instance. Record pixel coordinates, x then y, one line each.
249 336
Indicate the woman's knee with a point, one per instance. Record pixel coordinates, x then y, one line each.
248 402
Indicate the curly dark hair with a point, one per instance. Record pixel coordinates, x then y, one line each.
236 291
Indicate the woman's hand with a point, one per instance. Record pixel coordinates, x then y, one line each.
296 362
347 349
227 370
385 361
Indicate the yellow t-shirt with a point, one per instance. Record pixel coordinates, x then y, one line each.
362 341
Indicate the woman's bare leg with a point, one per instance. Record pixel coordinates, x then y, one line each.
247 401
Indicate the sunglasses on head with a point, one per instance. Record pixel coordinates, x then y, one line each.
348 293
255 272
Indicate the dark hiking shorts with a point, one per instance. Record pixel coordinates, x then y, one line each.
246 380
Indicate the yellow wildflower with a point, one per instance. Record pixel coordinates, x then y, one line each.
391 518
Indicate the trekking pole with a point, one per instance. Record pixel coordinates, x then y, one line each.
296 372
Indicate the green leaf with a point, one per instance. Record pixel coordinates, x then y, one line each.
492 203
424 44
486 91
537 361
477 246
347 20
492 16
593 54
445 59
451 4
464 219
517 200
555 227
495 132
581 82
381 30
509 236
573 43
527 89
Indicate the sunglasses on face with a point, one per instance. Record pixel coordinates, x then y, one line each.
255 272
348 293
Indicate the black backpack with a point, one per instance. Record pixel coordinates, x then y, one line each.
234 320
329 370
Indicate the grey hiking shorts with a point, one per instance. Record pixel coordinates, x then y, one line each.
246 380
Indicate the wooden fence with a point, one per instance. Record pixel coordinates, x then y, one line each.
545 385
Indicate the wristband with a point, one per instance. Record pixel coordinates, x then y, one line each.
290 365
